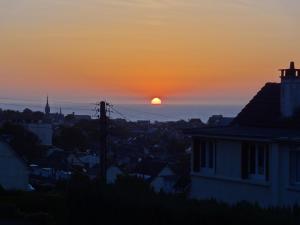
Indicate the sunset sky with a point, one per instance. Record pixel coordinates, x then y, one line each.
184 51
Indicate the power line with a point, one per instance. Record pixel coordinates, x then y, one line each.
149 113
119 113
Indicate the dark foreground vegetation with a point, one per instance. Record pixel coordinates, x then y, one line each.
129 201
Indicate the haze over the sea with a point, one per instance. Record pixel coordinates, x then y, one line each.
134 112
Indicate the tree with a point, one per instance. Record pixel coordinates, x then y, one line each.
71 138
24 142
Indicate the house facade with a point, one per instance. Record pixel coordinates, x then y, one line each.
239 164
255 159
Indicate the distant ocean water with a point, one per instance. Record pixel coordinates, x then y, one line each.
135 112
177 112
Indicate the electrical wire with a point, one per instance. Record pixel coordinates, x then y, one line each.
144 112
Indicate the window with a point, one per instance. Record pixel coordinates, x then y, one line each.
211 152
208 155
204 156
261 160
196 156
295 167
255 161
252 159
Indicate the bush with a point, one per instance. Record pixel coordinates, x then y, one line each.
132 201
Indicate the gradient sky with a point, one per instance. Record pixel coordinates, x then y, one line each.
185 51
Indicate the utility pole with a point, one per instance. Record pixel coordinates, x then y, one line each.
103 140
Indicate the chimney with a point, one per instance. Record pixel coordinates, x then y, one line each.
290 91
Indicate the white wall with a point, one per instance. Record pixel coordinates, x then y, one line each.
229 190
13 172
226 184
228 158
288 194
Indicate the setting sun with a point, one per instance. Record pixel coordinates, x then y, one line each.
156 101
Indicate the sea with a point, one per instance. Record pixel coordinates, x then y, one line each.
134 112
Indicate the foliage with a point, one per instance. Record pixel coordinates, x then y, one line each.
24 142
132 201
34 208
27 115
70 138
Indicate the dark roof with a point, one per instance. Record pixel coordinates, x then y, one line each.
263 110
259 119
271 134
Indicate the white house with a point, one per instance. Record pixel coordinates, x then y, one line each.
13 170
172 179
257 157
165 180
112 174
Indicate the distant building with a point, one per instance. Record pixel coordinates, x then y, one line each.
82 117
171 179
257 157
219 121
165 180
144 123
195 122
14 174
52 168
53 118
112 174
72 119
43 131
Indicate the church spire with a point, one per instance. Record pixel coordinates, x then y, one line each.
47 107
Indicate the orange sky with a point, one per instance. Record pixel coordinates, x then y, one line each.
185 51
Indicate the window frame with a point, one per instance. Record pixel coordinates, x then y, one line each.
250 157
196 167
256 175
210 147
207 149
